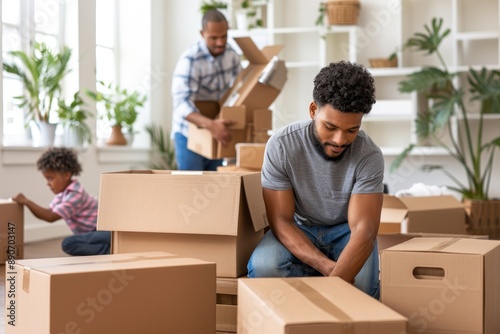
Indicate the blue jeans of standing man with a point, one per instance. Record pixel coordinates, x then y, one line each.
189 160
271 259
90 243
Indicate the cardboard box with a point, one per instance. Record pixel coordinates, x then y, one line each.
234 168
11 231
427 214
250 155
227 304
152 292
254 90
450 285
307 305
213 216
388 240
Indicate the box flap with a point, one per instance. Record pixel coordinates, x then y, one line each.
392 215
251 51
447 245
235 114
255 200
270 51
170 202
209 109
392 202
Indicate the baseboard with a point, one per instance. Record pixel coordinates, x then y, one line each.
40 231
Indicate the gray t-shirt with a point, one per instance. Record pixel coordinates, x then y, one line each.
322 188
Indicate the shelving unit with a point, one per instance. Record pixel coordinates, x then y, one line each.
472 42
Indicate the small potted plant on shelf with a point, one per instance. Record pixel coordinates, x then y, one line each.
212 4
120 109
77 133
449 102
41 73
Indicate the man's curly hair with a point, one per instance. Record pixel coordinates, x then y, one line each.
60 159
346 86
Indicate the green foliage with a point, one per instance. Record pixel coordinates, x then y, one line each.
321 15
73 115
447 102
212 4
120 104
41 73
163 149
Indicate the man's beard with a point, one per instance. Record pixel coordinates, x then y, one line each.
321 147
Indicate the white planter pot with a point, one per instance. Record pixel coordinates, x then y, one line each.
43 134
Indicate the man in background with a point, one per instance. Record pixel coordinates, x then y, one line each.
204 72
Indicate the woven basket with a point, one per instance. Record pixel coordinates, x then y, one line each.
483 217
342 11
383 62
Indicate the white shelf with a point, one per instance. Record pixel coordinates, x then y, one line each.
477 36
417 151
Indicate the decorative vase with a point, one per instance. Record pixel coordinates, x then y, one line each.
483 217
116 137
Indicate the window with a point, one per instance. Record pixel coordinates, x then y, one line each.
23 22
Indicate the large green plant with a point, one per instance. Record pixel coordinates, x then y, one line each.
447 101
41 73
121 105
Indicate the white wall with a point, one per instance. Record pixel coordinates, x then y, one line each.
165 29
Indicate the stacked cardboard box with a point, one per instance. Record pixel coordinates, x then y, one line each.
153 292
246 103
227 304
444 285
312 305
11 231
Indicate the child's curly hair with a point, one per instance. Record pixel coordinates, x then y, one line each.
346 86
60 159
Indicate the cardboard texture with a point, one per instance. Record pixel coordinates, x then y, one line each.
426 214
250 155
388 240
153 292
227 304
213 216
450 285
307 305
11 231
234 168
254 90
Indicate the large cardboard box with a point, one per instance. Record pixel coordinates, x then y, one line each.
213 216
444 285
307 305
152 292
426 214
254 90
11 231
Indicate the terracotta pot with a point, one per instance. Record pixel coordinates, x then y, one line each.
116 137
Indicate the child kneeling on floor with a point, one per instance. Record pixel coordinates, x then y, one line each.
78 208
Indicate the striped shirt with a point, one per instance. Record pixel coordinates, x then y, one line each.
198 76
77 207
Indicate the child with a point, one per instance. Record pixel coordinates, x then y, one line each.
72 203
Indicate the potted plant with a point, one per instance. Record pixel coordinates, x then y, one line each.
163 156
77 133
447 103
212 4
41 73
120 109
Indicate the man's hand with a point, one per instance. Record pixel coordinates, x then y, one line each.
220 131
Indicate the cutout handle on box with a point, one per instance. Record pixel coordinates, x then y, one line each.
428 273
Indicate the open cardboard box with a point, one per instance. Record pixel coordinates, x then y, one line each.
444 285
255 89
213 216
426 214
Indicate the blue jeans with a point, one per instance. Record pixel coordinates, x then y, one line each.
271 259
90 243
189 160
